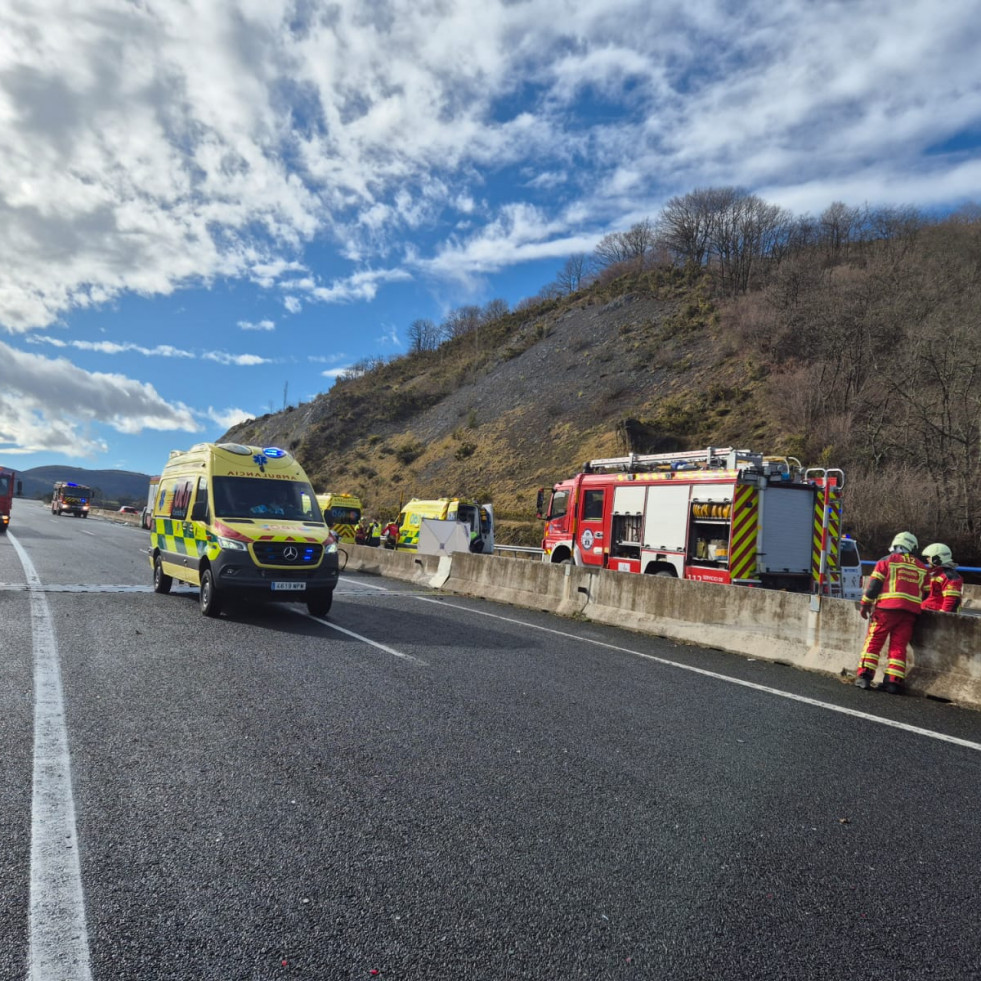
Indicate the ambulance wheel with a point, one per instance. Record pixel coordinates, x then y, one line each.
210 599
161 581
319 605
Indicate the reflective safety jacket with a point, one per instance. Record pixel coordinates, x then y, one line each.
898 582
946 591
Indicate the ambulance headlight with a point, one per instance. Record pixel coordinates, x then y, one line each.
233 544
330 547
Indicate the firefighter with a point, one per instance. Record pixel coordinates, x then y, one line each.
944 581
892 600
391 534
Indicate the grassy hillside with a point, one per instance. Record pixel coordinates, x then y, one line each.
868 359
639 364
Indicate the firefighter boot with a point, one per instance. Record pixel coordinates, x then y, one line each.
892 685
863 679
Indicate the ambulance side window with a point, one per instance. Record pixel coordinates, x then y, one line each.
200 510
181 500
592 506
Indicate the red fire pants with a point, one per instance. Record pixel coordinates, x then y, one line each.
897 625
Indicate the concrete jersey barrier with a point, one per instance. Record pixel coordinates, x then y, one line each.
766 624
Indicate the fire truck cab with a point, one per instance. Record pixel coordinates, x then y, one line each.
718 515
7 487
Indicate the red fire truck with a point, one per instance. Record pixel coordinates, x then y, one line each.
717 515
6 496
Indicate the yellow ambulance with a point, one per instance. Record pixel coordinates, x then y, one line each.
241 523
342 512
477 518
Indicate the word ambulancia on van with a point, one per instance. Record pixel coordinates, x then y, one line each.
718 515
241 523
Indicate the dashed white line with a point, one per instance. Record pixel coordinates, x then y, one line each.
905 727
58 946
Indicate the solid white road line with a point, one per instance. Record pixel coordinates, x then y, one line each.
58 946
929 733
366 640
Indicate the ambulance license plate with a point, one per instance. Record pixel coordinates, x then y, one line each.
288 586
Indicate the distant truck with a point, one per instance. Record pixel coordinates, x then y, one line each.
7 484
70 498
151 496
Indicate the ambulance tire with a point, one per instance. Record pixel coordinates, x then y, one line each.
210 598
161 581
319 605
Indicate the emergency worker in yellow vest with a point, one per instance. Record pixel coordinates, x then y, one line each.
891 603
374 533
945 582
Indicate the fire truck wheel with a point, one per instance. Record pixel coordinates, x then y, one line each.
161 581
210 599
665 572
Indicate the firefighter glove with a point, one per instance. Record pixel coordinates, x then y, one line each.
866 610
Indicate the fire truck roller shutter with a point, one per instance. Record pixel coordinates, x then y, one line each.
788 516
666 517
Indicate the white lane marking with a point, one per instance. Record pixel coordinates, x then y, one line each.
371 585
929 733
58 945
366 640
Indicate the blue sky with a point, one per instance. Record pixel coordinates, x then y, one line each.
208 207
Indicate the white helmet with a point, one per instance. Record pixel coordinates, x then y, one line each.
938 554
905 541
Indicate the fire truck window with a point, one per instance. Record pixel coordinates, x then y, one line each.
592 506
559 505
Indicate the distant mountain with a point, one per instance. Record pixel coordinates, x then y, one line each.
114 486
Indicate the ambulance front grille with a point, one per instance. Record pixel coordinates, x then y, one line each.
288 553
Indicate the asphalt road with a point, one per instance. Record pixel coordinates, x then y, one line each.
429 787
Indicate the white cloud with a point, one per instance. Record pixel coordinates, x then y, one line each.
50 404
261 325
159 351
226 418
150 146
241 360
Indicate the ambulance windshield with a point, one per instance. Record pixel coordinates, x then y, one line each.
249 497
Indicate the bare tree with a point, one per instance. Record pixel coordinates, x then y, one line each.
838 226
462 321
685 225
494 310
634 246
572 274
423 335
